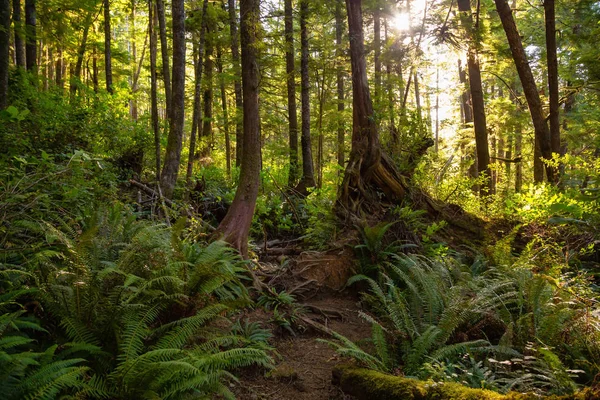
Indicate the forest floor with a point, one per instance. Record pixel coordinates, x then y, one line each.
303 364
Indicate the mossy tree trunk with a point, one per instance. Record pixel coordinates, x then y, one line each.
369 171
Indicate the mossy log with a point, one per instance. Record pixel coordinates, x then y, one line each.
365 384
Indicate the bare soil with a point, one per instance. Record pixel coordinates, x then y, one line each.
303 363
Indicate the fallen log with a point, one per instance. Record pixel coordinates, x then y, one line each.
366 384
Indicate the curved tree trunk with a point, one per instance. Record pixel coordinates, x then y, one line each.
542 133
235 227
174 143
290 70
368 169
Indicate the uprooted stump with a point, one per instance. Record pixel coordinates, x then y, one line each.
365 384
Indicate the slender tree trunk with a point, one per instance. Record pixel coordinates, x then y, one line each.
290 70
418 96
390 93
31 36
225 111
75 80
59 68
153 85
235 55
339 51
133 109
235 227
107 51
308 174
477 100
164 50
437 109
368 171
551 52
377 45
320 130
197 112
94 69
542 133
18 27
174 143
4 51
207 120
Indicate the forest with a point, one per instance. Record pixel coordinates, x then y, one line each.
300 199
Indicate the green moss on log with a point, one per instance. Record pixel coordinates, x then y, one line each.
365 384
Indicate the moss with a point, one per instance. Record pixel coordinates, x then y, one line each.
365 384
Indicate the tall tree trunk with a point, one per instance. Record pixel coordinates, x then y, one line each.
477 100
94 69
225 111
31 36
207 120
164 51
18 28
339 51
197 111
235 227
4 51
368 170
377 45
153 85
290 70
390 97
59 68
75 80
542 133
107 51
308 170
321 93
551 52
437 109
235 55
174 143
133 109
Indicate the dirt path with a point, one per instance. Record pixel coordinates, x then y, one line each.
303 371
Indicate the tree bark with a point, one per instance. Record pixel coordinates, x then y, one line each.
551 51
164 51
174 143
80 54
225 111
339 51
31 36
477 100
308 170
18 28
542 133
290 70
197 112
368 170
207 120
377 45
4 51
235 227
235 55
153 85
107 52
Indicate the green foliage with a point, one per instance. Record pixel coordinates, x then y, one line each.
134 304
286 311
